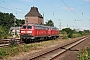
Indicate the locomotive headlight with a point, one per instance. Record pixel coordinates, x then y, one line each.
29 31
22 31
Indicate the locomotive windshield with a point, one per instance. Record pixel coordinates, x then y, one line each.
29 27
24 27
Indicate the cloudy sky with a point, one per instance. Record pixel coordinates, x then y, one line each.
71 13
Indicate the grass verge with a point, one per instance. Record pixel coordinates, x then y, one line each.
12 51
84 54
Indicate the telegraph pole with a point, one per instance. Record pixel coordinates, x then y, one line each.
14 28
59 25
67 24
43 19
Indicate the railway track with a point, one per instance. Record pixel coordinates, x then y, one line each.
6 42
54 53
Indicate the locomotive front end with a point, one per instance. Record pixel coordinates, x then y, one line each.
26 32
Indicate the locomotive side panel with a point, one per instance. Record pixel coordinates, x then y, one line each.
53 32
41 30
32 32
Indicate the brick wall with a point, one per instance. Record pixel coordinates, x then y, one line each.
34 20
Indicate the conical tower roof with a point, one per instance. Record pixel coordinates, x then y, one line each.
33 12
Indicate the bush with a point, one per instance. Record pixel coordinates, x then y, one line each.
65 37
84 54
13 43
12 51
76 35
3 32
70 35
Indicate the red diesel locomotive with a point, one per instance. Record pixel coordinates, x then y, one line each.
33 32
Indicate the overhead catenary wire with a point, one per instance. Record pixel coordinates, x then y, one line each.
78 9
11 9
70 9
75 6
44 12
22 12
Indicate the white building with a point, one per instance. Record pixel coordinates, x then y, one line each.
15 30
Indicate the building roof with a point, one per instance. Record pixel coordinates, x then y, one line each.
16 28
33 13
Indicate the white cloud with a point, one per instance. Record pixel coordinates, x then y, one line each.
66 8
87 0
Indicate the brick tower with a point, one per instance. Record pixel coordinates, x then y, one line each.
33 16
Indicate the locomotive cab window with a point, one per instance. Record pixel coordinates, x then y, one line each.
24 27
29 27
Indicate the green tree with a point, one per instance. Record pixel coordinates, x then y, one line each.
49 23
86 31
3 32
7 21
70 35
81 32
19 22
67 30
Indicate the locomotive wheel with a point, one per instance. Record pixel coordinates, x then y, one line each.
26 41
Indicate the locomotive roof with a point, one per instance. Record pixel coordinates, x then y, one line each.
42 25
28 24
51 26
34 24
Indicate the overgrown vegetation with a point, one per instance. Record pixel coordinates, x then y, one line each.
12 51
69 33
84 54
13 43
7 21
